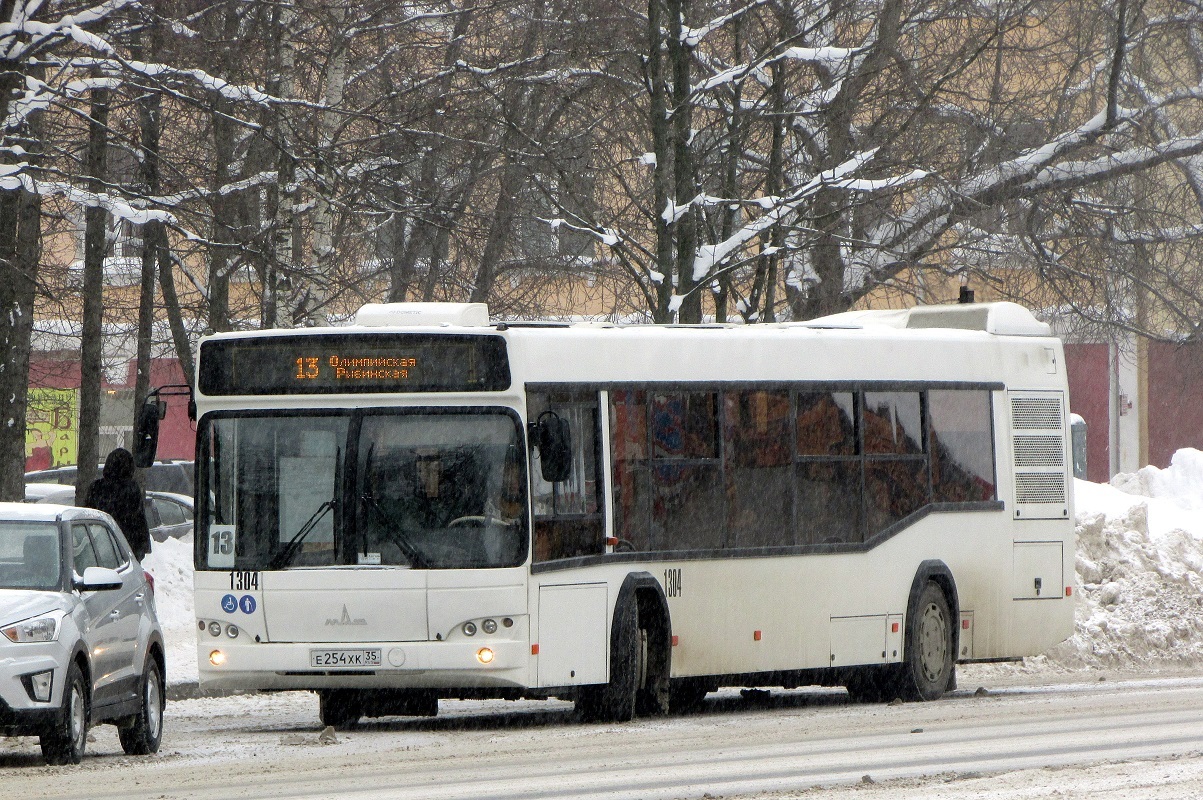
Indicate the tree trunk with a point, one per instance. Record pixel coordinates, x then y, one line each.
149 107
662 171
279 265
18 283
224 219
322 255
95 250
171 305
685 183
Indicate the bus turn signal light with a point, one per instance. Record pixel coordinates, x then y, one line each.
217 658
484 655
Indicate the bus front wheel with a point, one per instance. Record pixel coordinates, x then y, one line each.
614 701
929 660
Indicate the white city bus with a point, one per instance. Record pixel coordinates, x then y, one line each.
427 505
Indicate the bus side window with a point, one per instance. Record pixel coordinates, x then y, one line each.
962 446
568 514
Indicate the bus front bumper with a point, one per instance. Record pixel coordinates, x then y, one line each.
250 666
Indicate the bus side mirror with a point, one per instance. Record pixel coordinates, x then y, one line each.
146 433
554 440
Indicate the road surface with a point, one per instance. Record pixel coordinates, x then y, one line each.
993 738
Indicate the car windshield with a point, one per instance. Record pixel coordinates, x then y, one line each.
30 555
365 488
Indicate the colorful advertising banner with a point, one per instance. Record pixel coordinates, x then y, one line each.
51 425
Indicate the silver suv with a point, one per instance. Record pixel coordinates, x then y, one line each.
79 641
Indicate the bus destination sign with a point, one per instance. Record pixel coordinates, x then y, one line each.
395 368
351 363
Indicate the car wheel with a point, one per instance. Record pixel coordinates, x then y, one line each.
140 735
65 742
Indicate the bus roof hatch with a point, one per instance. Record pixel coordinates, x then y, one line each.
404 315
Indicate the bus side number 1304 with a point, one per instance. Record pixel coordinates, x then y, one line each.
672 582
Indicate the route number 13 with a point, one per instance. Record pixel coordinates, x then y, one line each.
221 546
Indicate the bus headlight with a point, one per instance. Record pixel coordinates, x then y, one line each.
215 628
217 658
484 655
489 626
469 628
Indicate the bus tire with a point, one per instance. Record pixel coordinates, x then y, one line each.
614 701
399 703
686 695
340 708
874 684
928 663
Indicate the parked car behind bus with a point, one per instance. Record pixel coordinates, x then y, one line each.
161 476
169 515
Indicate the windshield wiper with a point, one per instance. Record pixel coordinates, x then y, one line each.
396 533
284 557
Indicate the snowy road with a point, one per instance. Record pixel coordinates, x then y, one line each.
1112 739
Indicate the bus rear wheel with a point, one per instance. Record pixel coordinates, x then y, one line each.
874 684
928 665
687 695
340 708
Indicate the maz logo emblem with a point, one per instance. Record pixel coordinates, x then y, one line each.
345 619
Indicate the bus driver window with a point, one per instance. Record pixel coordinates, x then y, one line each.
568 517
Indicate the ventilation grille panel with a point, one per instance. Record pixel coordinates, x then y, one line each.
1039 451
1036 413
1039 488
1039 456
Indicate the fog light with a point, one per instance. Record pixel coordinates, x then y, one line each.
40 683
484 655
217 658
489 626
469 628
215 628
232 631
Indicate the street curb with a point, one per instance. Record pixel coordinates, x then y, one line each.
191 690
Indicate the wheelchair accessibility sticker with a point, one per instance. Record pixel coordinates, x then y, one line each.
230 604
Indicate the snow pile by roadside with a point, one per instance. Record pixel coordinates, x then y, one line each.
1139 569
170 563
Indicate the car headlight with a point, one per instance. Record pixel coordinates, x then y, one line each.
42 628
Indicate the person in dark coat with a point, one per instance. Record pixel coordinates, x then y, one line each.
118 494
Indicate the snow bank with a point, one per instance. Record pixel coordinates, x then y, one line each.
1139 570
170 563
1139 573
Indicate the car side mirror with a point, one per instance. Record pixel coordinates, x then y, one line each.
99 579
554 439
146 434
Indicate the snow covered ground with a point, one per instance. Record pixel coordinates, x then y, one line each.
1139 573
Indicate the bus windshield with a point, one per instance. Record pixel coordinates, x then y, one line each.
378 488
